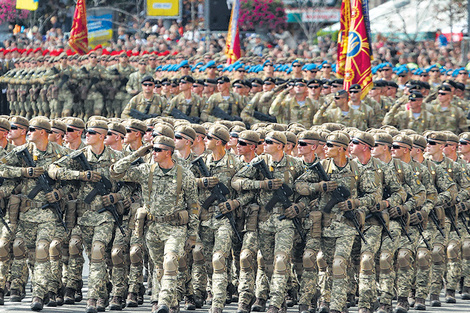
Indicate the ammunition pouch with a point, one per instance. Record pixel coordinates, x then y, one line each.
177 218
251 218
316 223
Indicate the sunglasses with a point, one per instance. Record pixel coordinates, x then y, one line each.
91 132
268 65
260 142
443 93
432 143
220 83
314 87
157 150
147 85
396 147
354 91
269 142
13 127
92 57
152 59
209 137
463 143
326 67
71 130
401 75
186 66
241 71
179 137
337 98
238 86
158 86
242 143
355 142
386 69
330 145
326 87
299 85
463 73
183 83
111 134
303 143
434 71
255 85
32 129
195 86
296 65
166 84
129 130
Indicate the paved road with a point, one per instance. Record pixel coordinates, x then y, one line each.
461 306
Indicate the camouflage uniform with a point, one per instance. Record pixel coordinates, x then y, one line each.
93 230
452 119
164 235
354 118
36 226
153 105
118 76
406 120
261 102
233 105
289 110
275 237
190 107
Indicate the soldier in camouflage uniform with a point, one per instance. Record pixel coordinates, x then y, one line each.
463 149
226 100
261 101
93 230
187 102
216 234
448 116
338 232
298 108
435 145
38 234
275 236
118 75
133 86
342 113
146 102
92 76
170 209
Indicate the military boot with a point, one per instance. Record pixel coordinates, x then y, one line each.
52 299
140 295
175 309
364 310
215 310
199 300
291 297
69 297
37 304
78 292
303 308
60 296
402 306
132 300
243 308
259 305
189 303
163 309
2 297
450 296
466 293
101 304
91 306
231 290
435 302
420 304
272 309
411 298
15 295
324 307
384 308
116 303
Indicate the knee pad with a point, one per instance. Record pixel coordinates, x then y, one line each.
75 246
42 251
198 254
182 263
367 263
98 252
170 264
4 249
404 259
55 250
309 260
453 250
117 256
466 249
260 260
136 254
321 262
19 249
281 261
438 255
340 267
218 262
423 258
246 260
386 262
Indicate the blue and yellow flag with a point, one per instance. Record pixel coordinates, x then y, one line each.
30 5
358 56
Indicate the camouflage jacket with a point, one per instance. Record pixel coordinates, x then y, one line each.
190 108
153 105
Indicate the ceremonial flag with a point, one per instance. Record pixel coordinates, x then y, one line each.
343 37
30 5
79 33
358 56
232 47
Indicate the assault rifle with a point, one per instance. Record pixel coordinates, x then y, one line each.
219 113
181 116
264 117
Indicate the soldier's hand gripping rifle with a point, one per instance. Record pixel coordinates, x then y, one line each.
435 220
340 194
281 195
218 193
103 187
44 184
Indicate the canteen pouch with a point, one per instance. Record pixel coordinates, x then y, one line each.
316 221
140 217
251 218
180 218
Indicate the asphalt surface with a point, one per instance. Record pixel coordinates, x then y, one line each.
24 306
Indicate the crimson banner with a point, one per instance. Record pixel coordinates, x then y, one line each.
79 33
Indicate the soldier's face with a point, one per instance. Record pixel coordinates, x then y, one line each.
255 88
221 86
397 150
243 147
378 150
181 142
331 150
148 135
464 147
306 147
210 142
184 85
16 133
272 146
268 86
95 137
198 89
72 134
450 148
160 153
434 147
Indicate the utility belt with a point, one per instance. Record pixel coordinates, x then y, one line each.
177 218
264 214
27 204
328 218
